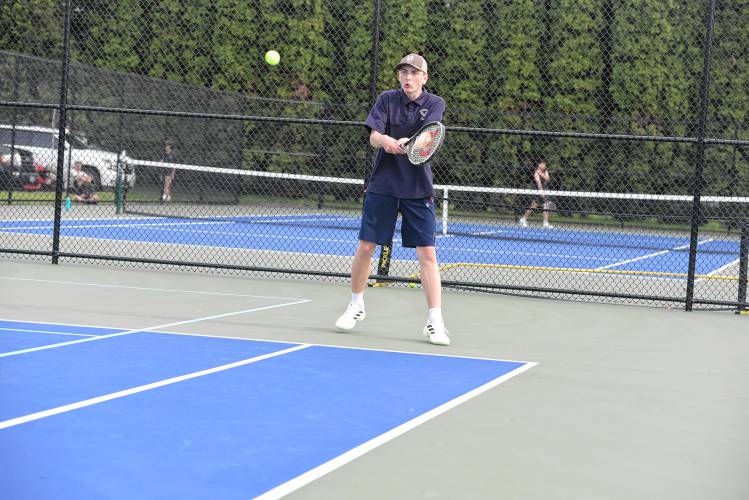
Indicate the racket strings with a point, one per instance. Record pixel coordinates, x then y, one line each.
426 144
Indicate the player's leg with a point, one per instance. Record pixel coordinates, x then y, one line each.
362 265
419 229
168 180
430 276
546 215
377 227
523 221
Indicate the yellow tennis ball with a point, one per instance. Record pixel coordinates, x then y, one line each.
272 57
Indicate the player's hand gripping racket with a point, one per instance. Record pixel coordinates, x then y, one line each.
425 143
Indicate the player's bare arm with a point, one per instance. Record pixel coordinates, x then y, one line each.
390 145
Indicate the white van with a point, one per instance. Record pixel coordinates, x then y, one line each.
42 142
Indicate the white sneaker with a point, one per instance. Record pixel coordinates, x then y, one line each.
347 321
523 222
437 333
548 226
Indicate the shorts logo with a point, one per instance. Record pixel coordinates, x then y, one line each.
423 113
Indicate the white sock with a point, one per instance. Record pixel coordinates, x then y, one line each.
357 298
435 315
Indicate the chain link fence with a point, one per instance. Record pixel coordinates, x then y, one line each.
639 110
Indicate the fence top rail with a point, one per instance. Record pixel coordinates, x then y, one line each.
355 123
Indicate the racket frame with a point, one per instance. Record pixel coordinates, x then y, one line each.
409 145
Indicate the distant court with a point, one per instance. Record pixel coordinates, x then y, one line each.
565 248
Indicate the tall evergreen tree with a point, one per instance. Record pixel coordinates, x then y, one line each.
727 169
236 53
643 37
513 54
32 27
114 38
574 80
457 36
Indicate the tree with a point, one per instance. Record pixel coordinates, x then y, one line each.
574 79
33 27
114 36
513 55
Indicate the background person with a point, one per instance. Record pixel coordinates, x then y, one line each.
541 178
83 185
168 177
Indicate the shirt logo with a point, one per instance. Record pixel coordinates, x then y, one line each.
423 113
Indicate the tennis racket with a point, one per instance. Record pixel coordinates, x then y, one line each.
425 143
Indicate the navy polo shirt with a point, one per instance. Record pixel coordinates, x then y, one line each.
395 115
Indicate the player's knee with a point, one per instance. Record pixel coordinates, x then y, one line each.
367 247
426 255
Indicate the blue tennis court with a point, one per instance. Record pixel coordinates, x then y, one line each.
108 413
504 244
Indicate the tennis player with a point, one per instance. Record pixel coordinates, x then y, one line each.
541 178
168 176
397 186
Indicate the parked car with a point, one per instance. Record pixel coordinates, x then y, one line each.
42 143
20 172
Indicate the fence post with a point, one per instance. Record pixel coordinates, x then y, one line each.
62 122
700 161
16 80
743 264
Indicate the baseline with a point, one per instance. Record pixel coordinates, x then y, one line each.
154 327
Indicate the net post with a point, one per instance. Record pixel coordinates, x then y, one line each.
118 187
743 264
445 201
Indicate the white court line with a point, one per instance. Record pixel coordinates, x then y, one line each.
142 388
343 459
223 233
442 250
642 257
149 328
353 348
720 269
174 222
480 233
648 256
104 285
111 225
259 235
45 331
65 324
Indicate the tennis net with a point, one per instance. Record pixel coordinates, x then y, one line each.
249 196
582 218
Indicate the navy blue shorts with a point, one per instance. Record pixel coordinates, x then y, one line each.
418 224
